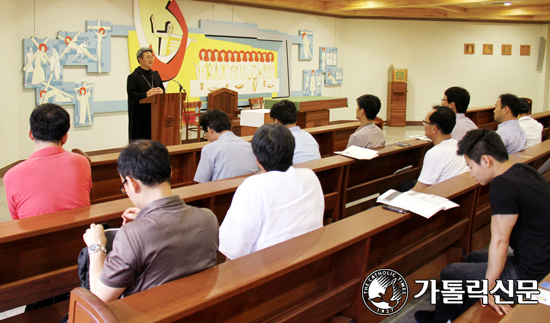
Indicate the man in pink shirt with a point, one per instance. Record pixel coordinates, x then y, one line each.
52 179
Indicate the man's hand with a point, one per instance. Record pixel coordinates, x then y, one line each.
129 215
500 309
154 91
95 234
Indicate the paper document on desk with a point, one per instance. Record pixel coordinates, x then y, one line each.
420 137
422 204
358 152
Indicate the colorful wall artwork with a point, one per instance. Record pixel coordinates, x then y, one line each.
328 57
306 45
44 59
312 81
334 76
237 56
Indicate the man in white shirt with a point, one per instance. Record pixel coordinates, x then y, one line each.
509 130
531 127
368 135
277 205
226 155
458 99
284 112
440 162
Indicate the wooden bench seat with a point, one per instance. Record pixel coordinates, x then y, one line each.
24 239
49 314
306 279
185 158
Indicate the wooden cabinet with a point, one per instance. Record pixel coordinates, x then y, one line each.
397 103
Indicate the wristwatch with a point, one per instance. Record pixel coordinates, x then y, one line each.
95 248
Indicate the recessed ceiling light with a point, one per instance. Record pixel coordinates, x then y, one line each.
507 3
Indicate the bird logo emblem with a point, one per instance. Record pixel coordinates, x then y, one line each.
385 291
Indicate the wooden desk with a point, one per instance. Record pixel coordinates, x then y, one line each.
306 279
312 110
22 241
185 158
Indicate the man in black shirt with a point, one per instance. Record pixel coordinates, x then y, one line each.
142 83
520 200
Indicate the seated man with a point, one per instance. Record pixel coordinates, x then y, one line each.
368 135
520 200
226 155
269 208
284 112
531 127
441 161
458 99
161 240
509 130
52 179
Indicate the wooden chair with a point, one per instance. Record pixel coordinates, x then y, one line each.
191 118
254 102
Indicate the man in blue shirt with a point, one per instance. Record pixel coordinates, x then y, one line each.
226 155
509 130
307 149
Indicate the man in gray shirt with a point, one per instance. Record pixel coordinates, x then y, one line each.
226 155
162 238
368 135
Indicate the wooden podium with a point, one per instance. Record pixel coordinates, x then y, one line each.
166 117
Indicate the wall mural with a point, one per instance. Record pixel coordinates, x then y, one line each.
239 56
44 59
306 46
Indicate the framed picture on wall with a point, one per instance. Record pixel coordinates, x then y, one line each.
469 48
399 75
525 50
334 76
306 46
506 50
312 82
487 49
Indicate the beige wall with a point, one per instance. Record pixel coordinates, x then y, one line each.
431 51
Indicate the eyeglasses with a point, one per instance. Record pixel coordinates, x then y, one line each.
431 124
149 57
122 189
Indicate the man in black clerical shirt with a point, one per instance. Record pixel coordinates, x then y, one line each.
142 83
520 200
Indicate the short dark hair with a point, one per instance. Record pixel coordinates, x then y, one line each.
49 122
370 104
147 161
216 120
479 142
273 145
511 101
142 51
284 111
524 106
460 97
444 118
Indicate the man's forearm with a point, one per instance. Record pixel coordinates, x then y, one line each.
498 252
96 266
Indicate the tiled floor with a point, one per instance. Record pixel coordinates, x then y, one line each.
393 134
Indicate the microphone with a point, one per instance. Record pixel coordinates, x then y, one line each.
172 79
